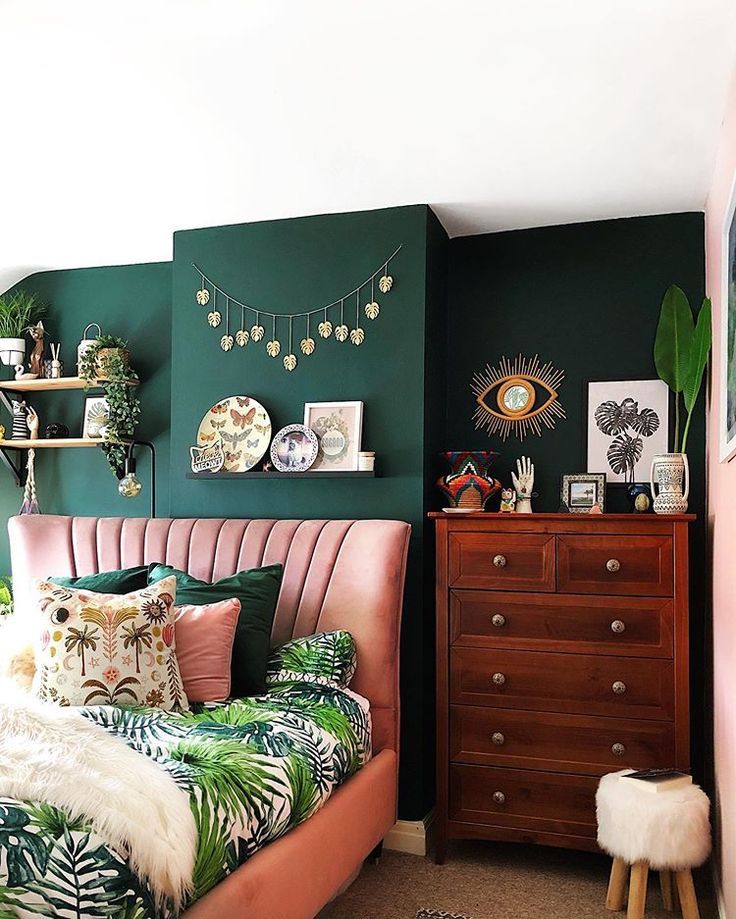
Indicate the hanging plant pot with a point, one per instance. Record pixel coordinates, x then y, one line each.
110 356
12 351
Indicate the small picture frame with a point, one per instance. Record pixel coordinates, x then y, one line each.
95 418
339 427
580 491
294 449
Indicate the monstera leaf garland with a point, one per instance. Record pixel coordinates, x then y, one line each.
207 296
617 420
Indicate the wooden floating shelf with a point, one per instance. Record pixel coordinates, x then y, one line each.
43 443
256 475
43 385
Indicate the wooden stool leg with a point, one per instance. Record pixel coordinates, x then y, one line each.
638 890
688 900
617 885
665 884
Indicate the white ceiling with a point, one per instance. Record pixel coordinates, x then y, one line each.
123 122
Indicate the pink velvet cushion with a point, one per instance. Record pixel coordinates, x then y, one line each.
204 648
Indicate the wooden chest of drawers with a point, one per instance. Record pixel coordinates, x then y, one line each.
562 654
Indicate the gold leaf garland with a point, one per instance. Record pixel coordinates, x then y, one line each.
326 328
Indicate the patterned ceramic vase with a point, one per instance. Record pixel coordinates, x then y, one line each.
468 484
668 471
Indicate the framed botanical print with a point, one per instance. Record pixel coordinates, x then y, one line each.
96 417
728 334
339 427
628 423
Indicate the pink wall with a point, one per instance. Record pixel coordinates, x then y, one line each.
722 521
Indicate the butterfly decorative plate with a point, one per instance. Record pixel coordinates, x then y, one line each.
294 448
244 427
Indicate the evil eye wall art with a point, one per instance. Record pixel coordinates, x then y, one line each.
517 397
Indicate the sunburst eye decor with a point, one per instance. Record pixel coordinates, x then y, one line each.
327 317
518 397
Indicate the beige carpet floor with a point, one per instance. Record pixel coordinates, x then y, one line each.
494 881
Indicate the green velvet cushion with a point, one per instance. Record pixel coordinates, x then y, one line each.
258 591
123 581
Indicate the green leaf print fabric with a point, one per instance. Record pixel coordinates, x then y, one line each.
252 768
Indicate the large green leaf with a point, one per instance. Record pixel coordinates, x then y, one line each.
674 339
698 355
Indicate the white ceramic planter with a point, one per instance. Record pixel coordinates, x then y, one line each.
667 472
12 351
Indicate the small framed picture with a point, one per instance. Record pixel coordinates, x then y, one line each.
582 490
339 427
96 417
294 448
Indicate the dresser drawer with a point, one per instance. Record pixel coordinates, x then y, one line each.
543 681
502 561
543 801
558 743
636 626
634 565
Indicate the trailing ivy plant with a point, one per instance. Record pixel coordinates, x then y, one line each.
19 311
681 351
123 403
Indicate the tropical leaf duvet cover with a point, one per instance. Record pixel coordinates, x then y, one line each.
252 768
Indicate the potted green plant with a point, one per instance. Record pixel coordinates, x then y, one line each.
681 349
107 363
6 596
18 312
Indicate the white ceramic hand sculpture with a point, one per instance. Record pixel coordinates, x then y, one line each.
524 485
32 422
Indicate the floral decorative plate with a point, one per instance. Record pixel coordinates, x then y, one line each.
244 427
294 448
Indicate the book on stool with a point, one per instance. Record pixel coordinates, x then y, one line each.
657 780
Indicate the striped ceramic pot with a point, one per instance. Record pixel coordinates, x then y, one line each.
668 472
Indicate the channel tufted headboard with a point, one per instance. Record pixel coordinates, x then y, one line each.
337 574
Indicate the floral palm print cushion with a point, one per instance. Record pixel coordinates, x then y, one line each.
108 649
327 657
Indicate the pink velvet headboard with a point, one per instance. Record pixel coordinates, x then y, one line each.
345 574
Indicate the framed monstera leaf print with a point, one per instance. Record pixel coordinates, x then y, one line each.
628 423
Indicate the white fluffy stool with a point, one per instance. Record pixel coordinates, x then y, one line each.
668 831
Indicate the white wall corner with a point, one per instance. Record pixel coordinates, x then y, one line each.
411 836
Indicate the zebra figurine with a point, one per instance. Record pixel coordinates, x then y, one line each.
20 420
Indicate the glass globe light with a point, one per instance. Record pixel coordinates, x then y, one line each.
130 485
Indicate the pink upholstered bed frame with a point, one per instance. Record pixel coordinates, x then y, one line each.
337 574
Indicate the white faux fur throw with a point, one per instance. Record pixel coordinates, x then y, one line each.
668 829
53 754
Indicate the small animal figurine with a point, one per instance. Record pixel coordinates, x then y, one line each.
20 422
524 485
36 362
56 370
32 422
55 430
508 501
22 374
596 509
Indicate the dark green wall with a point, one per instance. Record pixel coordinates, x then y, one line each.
585 296
133 301
283 266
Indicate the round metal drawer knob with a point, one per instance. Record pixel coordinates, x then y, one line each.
619 688
499 561
618 749
613 565
499 621
499 797
498 739
618 626
498 679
